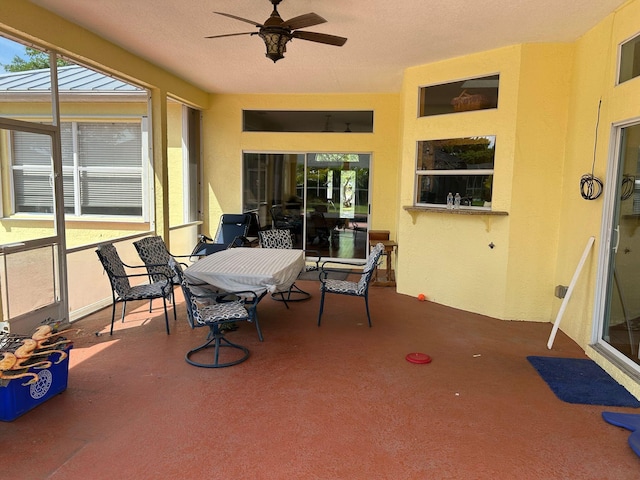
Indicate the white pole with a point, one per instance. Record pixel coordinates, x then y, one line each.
567 296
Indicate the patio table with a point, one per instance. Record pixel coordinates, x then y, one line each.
261 270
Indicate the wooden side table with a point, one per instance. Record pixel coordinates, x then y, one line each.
389 277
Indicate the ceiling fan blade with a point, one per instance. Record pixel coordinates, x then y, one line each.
320 38
303 21
231 35
240 18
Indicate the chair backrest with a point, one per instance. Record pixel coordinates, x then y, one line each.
114 267
369 268
189 299
254 225
275 238
153 252
232 225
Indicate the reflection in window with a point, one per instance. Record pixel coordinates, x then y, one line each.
629 60
462 96
101 164
457 165
339 121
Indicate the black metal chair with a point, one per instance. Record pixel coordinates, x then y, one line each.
121 289
345 287
277 238
155 256
214 310
232 231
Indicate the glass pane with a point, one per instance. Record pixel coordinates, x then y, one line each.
23 292
337 206
271 189
466 95
25 82
29 187
110 193
474 190
307 121
475 153
621 326
629 60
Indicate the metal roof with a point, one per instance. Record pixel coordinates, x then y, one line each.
71 79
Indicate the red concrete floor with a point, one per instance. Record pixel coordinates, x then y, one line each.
335 402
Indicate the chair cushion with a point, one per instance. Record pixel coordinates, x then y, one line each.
343 286
219 312
275 239
152 290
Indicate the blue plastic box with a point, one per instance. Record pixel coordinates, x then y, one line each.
17 399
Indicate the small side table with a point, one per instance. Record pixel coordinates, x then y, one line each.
389 277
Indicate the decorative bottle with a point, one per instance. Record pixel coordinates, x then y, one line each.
450 201
456 201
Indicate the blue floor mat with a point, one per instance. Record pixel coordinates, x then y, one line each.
577 380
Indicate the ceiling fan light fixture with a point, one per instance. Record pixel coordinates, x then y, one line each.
276 43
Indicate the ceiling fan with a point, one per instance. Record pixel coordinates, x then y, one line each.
276 33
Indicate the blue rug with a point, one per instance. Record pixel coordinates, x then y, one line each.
577 380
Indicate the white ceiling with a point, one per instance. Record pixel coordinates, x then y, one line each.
385 37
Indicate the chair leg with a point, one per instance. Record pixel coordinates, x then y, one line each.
217 341
173 301
321 307
253 317
366 304
294 294
113 316
124 308
166 316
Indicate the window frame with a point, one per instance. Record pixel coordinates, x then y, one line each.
634 39
480 172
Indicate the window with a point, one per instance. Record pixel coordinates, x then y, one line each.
330 121
461 96
629 60
102 167
456 165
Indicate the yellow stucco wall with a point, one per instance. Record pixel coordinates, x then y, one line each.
594 80
447 256
224 143
175 163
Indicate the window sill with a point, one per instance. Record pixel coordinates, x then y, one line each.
456 211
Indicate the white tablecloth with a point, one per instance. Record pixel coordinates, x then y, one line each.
257 269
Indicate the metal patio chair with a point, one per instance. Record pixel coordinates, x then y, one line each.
345 287
214 310
278 238
121 289
232 231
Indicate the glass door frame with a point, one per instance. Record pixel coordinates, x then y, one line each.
609 237
59 309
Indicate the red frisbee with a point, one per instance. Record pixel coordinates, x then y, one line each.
418 358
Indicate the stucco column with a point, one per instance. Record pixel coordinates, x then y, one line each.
160 161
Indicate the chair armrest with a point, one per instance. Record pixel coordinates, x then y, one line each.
133 275
338 262
133 266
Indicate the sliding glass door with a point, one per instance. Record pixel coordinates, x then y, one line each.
322 198
620 322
